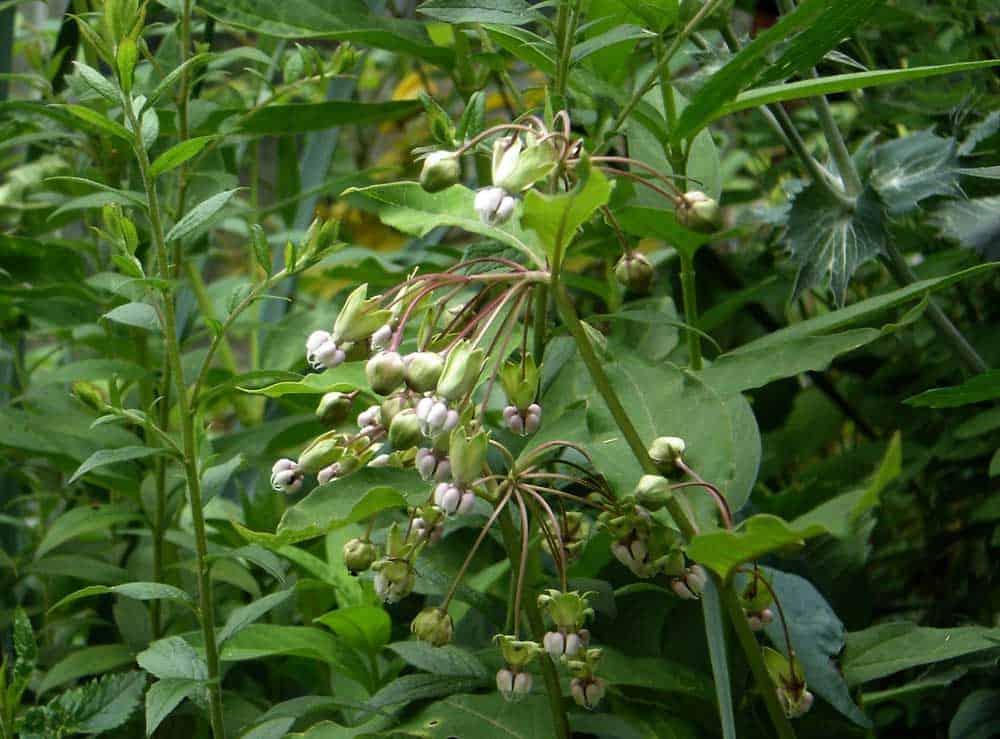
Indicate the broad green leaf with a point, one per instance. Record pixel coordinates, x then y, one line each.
246 615
654 673
80 567
886 649
90 369
978 389
345 20
113 456
177 154
841 83
618 34
746 369
200 215
172 657
504 12
102 704
98 121
421 686
87 661
138 315
98 82
293 118
406 207
555 218
908 170
977 717
465 715
661 224
275 728
658 15
135 590
973 223
164 696
723 550
447 660
817 637
344 501
344 378
865 309
366 628
829 242
82 521
214 478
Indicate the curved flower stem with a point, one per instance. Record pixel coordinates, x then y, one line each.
475 546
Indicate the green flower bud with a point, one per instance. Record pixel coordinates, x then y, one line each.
755 596
516 168
434 626
441 170
360 317
666 451
90 395
359 554
520 381
698 212
321 236
634 273
394 579
516 653
461 371
333 408
322 452
404 431
422 370
652 492
385 372
467 455
790 681
568 611
125 59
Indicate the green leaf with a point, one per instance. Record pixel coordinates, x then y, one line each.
742 369
406 207
366 628
345 20
841 83
80 522
172 657
447 660
246 615
886 649
103 704
715 633
87 661
724 550
177 154
908 170
135 590
976 389
555 218
214 478
80 567
661 224
342 502
200 215
975 224
421 686
477 715
98 82
977 717
26 651
293 118
138 315
503 12
90 369
104 457
829 242
654 673
98 121
344 378
817 637
164 696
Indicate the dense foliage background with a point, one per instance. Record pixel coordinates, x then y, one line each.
189 188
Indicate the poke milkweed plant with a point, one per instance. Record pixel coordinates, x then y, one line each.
511 413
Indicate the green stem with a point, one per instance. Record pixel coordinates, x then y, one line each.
206 603
562 45
512 542
690 293
540 321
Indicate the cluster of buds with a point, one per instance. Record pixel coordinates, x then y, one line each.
514 681
427 524
756 599
394 572
286 476
793 694
640 543
690 583
518 163
568 612
571 532
588 690
433 465
634 272
360 317
520 382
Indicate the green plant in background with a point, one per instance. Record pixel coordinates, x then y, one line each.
546 503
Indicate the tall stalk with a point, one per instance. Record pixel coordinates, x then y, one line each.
172 348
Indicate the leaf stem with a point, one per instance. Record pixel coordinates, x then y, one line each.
689 290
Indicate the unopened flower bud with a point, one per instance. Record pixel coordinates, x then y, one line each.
634 272
588 693
385 372
467 503
90 395
691 585
425 462
422 370
698 211
513 686
371 416
447 497
381 339
666 451
360 317
652 492
516 167
532 418
393 579
333 408
329 473
323 451
434 626
494 206
461 371
359 554
441 170
322 352
382 460
404 431
286 476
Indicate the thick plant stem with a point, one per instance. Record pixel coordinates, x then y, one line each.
206 604
550 677
689 290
